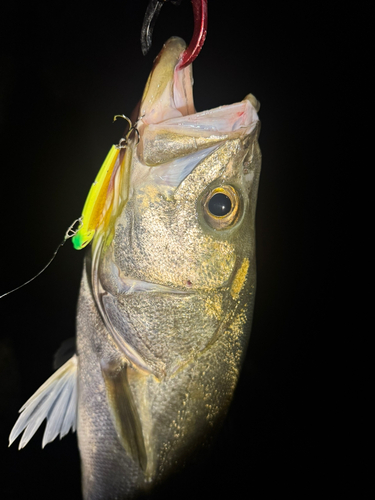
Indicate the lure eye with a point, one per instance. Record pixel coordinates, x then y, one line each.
221 207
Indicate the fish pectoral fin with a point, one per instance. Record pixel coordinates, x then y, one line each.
56 401
124 411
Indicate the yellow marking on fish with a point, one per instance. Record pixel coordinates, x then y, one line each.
213 306
239 279
235 332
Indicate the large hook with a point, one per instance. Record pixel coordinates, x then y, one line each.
199 35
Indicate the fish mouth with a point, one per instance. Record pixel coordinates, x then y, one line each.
169 126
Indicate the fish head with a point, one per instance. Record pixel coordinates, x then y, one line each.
176 263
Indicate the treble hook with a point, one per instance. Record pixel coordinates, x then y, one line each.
199 35
123 143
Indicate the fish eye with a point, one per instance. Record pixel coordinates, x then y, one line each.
219 204
221 207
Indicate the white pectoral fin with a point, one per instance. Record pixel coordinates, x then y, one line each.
56 401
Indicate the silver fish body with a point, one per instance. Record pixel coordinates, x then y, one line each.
167 293
166 299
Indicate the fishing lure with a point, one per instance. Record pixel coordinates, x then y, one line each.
102 195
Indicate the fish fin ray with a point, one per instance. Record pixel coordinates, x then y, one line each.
56 401
124 411
70 417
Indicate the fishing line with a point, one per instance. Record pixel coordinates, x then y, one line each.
70 232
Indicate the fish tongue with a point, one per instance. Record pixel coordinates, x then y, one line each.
169 91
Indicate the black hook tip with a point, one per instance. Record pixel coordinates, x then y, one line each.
149 20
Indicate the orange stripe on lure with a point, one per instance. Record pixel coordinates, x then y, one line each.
96 205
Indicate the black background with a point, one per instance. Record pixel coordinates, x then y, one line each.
66 69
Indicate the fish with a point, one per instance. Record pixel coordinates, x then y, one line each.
167 291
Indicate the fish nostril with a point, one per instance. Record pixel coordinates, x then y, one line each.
189 283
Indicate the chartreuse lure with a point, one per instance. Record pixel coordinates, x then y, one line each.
94 210
102 195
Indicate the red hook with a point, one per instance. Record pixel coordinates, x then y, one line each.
199 35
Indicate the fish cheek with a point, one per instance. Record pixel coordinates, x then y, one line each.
159 240
160 237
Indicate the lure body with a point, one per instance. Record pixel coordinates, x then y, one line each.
168 286
97 200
